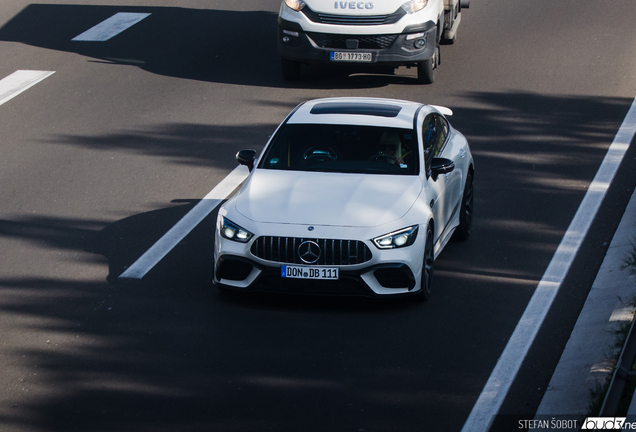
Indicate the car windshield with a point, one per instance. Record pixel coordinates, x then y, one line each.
343 148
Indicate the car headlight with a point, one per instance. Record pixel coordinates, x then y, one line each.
401 238
409 7
296 4
232 231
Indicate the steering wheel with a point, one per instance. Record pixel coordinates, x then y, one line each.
322 154
382 156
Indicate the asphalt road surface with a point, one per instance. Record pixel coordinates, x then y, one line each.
100 158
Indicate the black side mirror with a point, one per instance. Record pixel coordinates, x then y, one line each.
246 157
441 166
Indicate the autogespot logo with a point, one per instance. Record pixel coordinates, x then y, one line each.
353 5
309 252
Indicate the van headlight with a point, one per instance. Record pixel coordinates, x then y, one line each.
232 231
409 7
396 239
296 4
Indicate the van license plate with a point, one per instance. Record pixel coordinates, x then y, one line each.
360 57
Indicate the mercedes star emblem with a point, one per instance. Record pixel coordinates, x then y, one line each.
309 252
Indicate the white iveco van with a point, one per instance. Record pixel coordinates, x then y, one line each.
371 32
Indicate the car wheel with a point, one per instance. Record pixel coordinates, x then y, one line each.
290 69
466 211
426 69
427 269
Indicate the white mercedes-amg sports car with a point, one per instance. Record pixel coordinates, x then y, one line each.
351 196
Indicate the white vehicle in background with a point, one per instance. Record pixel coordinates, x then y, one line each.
367 32
351 196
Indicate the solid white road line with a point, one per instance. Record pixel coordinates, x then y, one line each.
178 232
501 378
20 81
111 27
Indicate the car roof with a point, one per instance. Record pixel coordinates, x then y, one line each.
359 111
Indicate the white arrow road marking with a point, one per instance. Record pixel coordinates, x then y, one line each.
505 372
111 27
181 229
20 81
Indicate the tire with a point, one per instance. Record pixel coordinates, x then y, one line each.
426 69
290 69
466 211
427 269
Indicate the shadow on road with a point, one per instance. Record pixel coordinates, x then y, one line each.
231 47
168 353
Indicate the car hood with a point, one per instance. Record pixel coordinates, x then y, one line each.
335 199
367 7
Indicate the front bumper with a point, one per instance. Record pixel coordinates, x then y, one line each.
242 274
415 44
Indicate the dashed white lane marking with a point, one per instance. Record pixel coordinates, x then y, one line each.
178 232
505 372
20 81
111 27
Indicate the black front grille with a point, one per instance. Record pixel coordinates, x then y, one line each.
332 252
338 41
324 18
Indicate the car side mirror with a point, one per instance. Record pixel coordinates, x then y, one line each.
441 166
246 157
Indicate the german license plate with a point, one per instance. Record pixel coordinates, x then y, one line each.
302 272
360 57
